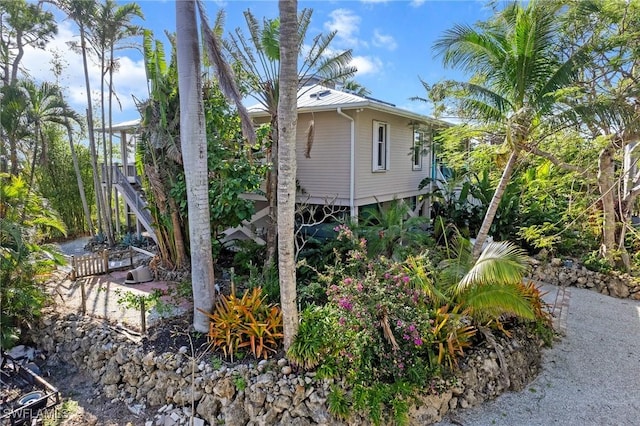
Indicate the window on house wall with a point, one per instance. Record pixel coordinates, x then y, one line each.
422 144
380 146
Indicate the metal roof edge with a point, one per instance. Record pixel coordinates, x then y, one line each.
366 104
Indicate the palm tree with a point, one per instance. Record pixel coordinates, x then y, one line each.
516 75
194 148
13 103
354 87
287 123
83 14
45 105
113 25
257 58
489 286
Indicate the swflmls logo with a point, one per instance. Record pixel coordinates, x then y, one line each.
54 413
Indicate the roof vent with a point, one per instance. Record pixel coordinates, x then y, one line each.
320 94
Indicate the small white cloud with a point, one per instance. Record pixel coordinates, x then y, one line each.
129 79
383 40
347 25
366 65
373 1
417 3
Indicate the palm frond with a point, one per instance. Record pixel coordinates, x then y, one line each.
464 47
500 262
225 76
494 300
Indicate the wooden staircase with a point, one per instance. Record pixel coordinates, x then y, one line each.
134 200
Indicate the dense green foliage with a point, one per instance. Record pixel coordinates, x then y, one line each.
57 181
26 220
233 168
390 327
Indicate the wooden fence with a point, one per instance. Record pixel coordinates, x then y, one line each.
99 263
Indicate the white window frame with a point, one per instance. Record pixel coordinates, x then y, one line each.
380 158
417 149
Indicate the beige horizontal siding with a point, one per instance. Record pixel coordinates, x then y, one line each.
400 178
325 174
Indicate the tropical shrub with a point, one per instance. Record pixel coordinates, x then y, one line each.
391 232
245 323
489 287
25 262
388 328
378 330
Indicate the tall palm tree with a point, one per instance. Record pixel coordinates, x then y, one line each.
83 14
113 25
194 143
257 58
287 123
516 75
194 151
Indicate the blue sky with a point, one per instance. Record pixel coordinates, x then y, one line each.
391 42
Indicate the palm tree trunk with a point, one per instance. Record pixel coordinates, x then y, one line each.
606 170
287 122
194 151
483 233
272 198
105 158
76 167
92 141
178 237
116 209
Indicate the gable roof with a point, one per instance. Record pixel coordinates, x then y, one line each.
317 98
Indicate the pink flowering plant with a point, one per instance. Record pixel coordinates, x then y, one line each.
388 328
385 330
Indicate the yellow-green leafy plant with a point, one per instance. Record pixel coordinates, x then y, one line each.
245 322
451 334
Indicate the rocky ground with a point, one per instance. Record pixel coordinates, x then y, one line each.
85 405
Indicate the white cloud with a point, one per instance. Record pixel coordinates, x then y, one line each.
417 3
383 40
367 65
347 25
129 79
373 1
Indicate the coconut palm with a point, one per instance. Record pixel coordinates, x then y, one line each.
516 77
257 57
489 286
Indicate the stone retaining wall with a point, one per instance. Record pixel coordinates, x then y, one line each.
263 393
572 274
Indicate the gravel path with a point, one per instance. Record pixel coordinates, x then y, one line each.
590 377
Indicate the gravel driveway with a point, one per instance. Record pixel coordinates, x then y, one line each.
591 377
